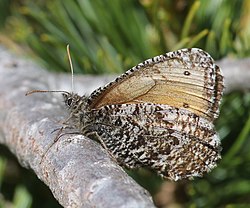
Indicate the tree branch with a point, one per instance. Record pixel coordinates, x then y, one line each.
236 73
78 171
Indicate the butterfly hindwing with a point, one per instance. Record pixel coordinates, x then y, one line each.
174 142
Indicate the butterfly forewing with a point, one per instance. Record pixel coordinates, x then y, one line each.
187 78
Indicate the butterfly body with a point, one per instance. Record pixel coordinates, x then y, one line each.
158 114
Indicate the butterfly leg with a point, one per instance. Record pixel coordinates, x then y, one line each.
57 137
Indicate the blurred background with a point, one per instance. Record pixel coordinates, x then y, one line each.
112 36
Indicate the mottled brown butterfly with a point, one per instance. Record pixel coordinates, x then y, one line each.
159 114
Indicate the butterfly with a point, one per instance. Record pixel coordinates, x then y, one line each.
159 114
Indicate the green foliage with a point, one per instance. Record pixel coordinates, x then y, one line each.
112 36
4 11
104 36
21 199
229 27
229 183
2 168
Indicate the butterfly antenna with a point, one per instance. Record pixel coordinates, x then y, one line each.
71 69
61 91
45 91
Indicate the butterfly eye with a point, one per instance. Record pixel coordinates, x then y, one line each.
69 102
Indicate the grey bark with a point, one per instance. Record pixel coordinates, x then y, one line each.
78 170
236 73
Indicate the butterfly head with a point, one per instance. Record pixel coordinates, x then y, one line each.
74 101
71 100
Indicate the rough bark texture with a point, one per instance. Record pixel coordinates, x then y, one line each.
78 171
